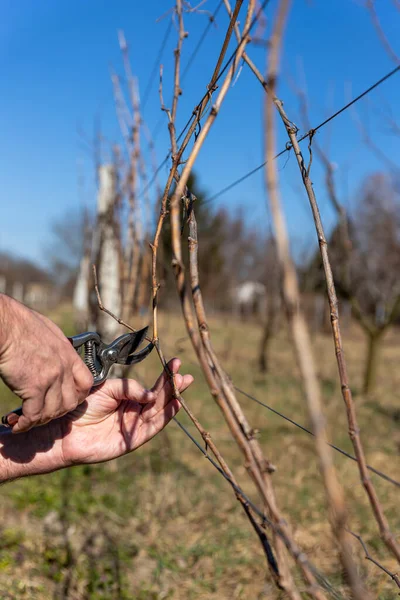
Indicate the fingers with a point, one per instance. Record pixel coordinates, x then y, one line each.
164 390
150 428
163 387
69 397
83 379
31 415
157 415
72 363
12 419
23 424
183 381
40 365
60 398
173 366
128 389
39 410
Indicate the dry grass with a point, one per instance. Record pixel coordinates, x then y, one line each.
147 527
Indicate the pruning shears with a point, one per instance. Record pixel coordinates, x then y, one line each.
100 357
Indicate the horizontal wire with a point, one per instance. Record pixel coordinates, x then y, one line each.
243 178
237 489
320 578
279 414
288 146
372 87
299 426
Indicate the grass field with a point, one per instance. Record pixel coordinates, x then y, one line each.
162 523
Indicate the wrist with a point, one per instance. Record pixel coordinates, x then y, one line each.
38 451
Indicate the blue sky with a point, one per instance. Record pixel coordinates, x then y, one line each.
55 62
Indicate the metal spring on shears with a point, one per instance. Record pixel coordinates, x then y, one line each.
89 357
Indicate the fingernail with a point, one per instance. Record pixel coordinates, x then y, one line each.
12 419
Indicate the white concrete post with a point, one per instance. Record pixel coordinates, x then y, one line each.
81 293
108 271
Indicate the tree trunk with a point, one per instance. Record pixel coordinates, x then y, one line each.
268 332
371 365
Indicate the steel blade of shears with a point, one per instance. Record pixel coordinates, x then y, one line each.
126 345
133 359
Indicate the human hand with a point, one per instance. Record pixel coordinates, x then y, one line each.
119 416
39 364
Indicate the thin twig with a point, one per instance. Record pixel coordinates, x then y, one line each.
381 34
394 576
106 310
155 68
224 48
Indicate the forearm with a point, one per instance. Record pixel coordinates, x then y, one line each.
34 452
5 306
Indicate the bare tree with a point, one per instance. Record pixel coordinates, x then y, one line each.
374 288
364 250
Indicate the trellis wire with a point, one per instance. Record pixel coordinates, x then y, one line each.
312 131
347 454
320 578
380 474
288 146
